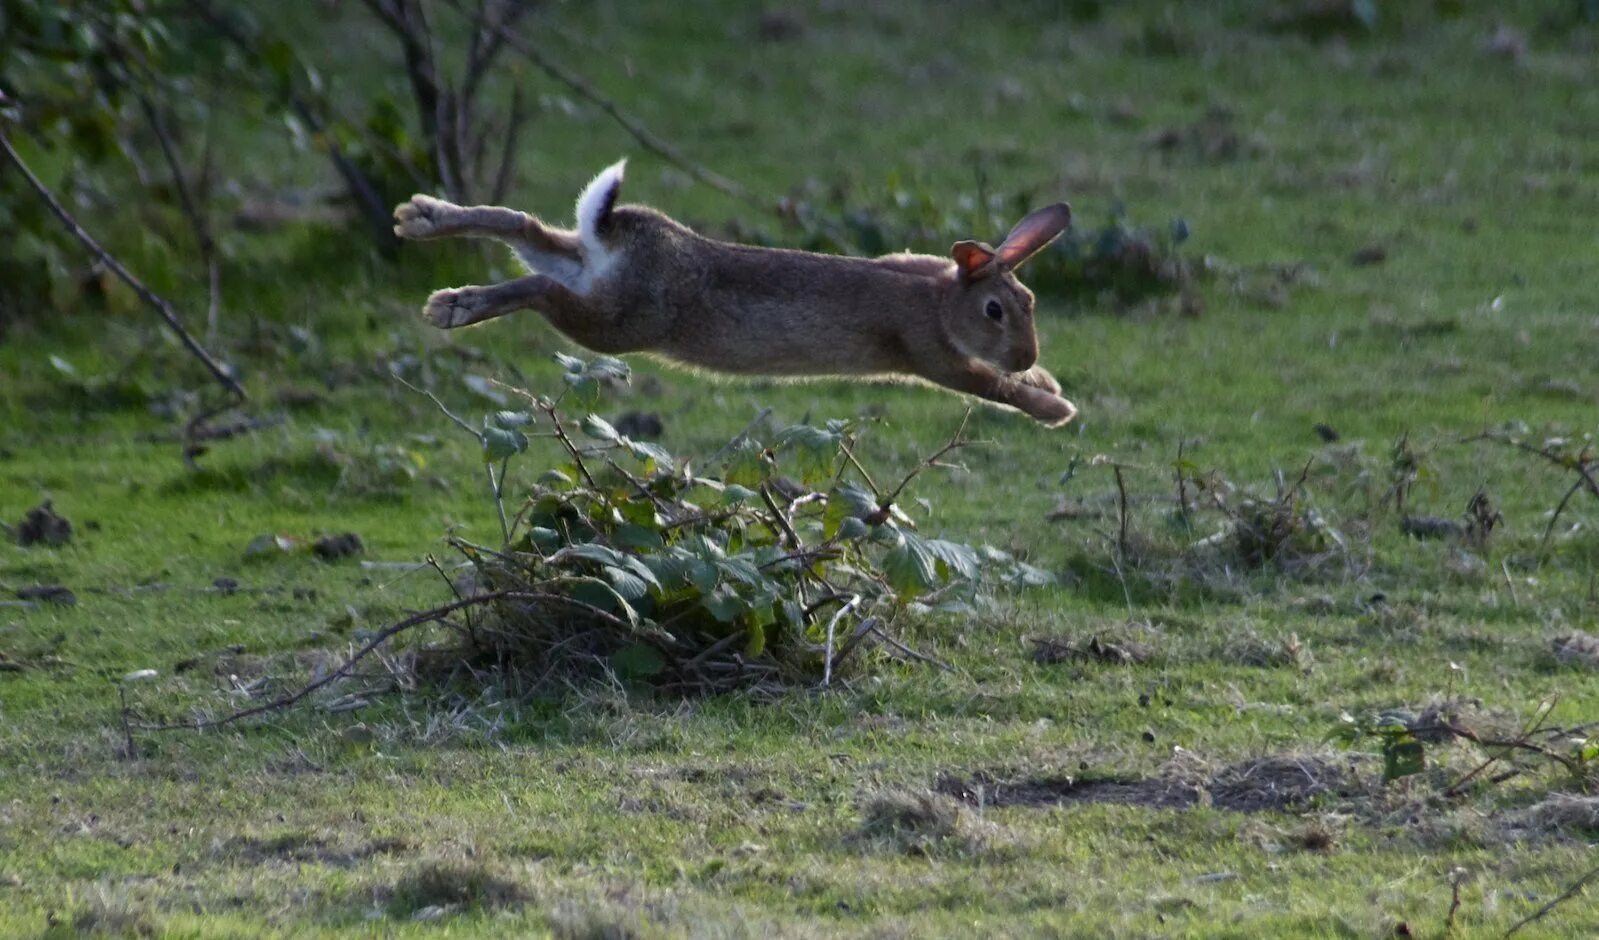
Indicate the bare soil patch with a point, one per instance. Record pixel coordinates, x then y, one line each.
1263 785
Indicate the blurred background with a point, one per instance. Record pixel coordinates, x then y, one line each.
1290 213
1351 214
1327 309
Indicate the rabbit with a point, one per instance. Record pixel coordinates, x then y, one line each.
630 279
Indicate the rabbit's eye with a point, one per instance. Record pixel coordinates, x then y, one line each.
995 311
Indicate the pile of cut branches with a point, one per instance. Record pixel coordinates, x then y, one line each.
778 561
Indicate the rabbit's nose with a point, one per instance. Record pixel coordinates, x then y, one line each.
1024 359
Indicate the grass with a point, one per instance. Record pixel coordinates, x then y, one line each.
819 813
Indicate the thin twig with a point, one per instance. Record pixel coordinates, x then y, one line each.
851 461
153 300
908 651
1580 464
1549 530
426 616
515 118
1455 879
129 749
1522 742
442 407
432 615
738 438
1183 508
499 502
865 627
188 204
1121 512
832 623
1571 892
1504 566
955 442
782 520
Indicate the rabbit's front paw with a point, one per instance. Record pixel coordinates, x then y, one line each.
448 309
422 217
1038 377
1051 411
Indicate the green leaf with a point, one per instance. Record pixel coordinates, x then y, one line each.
278 57
1025 575
704 575
540 538
909 567
628 584
597 593
1402 756
609 369
598 428
510 420
743 570
639 661
747 464
636 536
955 560
846 501
809 451
735 494
627 568
756 644
499 443
654 456
724 604
554 478
852 528
571 363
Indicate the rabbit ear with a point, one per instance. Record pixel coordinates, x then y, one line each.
1032 233
974 259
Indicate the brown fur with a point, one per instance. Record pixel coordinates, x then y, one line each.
658 287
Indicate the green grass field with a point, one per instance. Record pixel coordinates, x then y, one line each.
1190 793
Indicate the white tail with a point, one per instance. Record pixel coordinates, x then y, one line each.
595 204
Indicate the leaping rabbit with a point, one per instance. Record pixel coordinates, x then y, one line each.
630 279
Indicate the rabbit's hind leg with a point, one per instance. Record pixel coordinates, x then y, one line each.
566 311
424 217
543 249
463 306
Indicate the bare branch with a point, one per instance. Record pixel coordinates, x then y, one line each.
646 138
154 301
432 615
515 118
955 442
376 210
1571 892
189 204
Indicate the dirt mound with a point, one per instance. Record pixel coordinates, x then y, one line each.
1265 784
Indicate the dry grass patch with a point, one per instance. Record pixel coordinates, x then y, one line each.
913 822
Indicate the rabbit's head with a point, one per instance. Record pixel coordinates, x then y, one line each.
989 315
